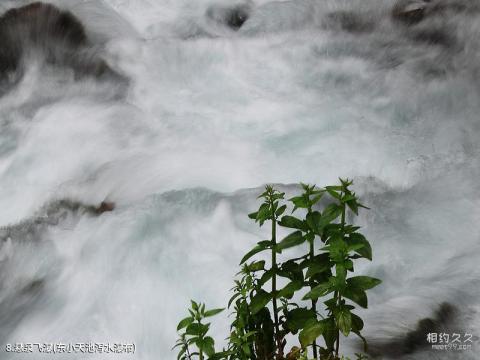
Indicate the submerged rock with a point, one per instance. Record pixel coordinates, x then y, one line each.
232 17
105 206
409 11
52 214
236 17
44 30
38 26
443 320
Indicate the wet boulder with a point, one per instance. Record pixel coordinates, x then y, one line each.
233 17
410 12
34 27
237 16
444 319
45 31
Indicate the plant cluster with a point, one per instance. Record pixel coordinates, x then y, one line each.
265 313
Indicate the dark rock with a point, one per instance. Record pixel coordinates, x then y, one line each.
232 17
105 206
236 17
52 214
57 35
409 12
416 339
38 26
39 21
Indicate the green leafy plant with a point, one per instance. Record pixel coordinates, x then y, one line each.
265 314
251 331
195 333
344 244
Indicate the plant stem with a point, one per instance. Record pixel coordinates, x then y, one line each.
337 345
312 285
248 328
274 276
339 298
314 301
187 351
200 352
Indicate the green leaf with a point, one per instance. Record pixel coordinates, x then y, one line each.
265 243
357 323
256 266
309 334
334 193
206 345
290 289
220 355
345 182
263 213
293 223
259 301
348 197
297 319
354 247
255 250
334 187
184 323
232 299
320 263
337 248
291 240
246 349
353 206
341 274
197 329
291 270
343 316
213 312
280 210
348 264
359 239
299 202
267 275
363 282
330 213
331 303
330 332
358 296
320 290
314 221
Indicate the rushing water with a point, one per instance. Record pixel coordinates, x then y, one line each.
296 94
